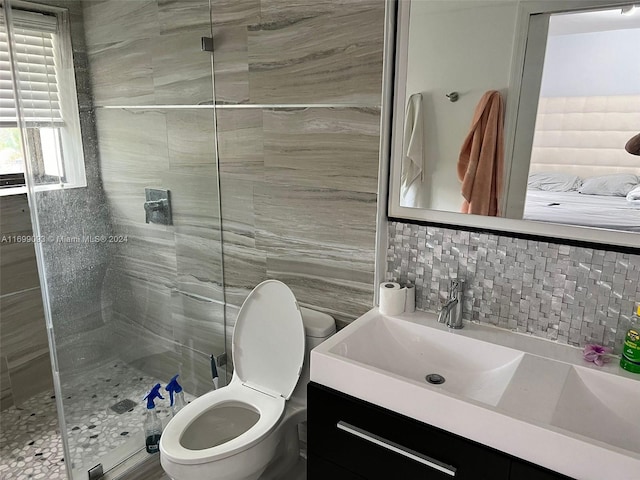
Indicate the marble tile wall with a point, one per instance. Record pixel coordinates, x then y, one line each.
147 52
570 294
25 369
298 185
316 52
164 282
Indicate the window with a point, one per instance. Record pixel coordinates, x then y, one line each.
39 61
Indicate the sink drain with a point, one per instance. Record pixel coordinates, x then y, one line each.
435 379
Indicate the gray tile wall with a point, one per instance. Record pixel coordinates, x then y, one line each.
574 295
164 282
25 369
298 185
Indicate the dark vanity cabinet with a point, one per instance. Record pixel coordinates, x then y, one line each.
526 471
352 439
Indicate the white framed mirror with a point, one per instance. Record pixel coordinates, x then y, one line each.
567 77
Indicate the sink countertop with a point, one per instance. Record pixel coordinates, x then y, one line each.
541 408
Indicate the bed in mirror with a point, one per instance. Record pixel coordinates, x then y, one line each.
514 116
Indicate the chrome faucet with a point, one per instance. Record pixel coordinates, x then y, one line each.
451 312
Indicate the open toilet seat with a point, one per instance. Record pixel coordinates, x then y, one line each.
207 438
236 394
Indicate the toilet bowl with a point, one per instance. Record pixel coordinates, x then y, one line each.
249 428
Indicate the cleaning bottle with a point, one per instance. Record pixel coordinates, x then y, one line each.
177 402
152 424
630 360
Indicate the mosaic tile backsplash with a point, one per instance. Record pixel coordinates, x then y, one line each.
571 294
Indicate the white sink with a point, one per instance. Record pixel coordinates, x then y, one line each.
470 368
600 406
525 396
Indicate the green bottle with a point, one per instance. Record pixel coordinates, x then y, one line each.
630 360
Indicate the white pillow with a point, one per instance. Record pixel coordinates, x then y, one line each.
634 195
554 182
616 185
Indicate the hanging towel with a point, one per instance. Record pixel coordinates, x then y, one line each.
480 165
412 176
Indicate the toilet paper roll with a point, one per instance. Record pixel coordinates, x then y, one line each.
392 298
410 298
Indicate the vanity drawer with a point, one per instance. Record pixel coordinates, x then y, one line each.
380 444
521 470
321 469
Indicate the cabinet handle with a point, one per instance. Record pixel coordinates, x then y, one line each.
394 447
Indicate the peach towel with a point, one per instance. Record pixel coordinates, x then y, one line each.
481 161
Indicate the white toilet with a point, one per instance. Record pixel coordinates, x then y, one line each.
249 428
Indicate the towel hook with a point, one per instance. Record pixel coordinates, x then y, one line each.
453 96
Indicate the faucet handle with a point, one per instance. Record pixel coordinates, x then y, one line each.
454 288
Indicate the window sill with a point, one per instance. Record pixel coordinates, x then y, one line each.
5 192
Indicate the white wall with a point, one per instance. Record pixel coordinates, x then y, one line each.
592 64
588 108
463 46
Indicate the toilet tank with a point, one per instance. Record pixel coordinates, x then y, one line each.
318 327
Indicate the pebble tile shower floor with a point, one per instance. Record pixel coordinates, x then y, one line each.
30 442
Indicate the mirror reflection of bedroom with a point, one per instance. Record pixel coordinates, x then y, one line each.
588 111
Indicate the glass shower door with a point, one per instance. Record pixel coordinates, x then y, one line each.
123 188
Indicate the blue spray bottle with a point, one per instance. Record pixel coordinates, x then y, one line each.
177 401
152 424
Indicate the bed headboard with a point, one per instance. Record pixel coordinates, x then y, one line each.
586 136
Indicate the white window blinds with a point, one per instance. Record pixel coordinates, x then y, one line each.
34 42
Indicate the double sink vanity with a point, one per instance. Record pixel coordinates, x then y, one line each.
405 397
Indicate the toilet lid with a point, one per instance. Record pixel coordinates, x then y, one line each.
268 340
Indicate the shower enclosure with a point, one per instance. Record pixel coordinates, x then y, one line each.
124 123
115 105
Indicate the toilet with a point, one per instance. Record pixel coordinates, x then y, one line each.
249 429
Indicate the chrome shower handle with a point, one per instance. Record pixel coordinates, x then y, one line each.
155 205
